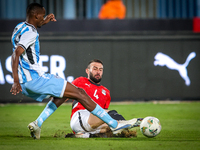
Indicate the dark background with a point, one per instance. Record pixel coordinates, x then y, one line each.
127 48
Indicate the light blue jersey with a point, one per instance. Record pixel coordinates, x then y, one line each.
34 82
26 36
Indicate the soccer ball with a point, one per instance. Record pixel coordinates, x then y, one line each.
150 126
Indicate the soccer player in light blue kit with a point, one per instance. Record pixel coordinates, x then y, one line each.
33 82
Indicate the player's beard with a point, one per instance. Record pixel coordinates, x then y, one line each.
94 79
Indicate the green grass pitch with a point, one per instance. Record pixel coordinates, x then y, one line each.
180 128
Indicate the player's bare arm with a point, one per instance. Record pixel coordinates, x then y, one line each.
16 87
49 18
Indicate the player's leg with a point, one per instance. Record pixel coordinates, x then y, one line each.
50 108
79 122
97 125
41 88
35 126
86 125
80 95
82 129
94 121
73 92
84 121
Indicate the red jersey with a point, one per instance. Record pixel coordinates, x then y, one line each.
99 93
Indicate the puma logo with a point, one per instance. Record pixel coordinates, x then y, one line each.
87 84
164 60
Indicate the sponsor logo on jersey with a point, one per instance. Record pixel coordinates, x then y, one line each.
87 84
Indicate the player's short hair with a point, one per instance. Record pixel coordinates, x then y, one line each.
32 7
94 60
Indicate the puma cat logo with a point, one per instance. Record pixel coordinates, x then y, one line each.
87 84
164 60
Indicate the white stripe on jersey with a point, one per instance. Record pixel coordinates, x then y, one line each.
24 72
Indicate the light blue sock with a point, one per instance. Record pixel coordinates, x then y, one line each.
49 109
103 115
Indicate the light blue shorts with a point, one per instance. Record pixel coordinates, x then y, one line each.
43 87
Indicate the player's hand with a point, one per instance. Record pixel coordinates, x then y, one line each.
49 18
16 88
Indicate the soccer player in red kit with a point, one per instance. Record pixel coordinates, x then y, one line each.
83 123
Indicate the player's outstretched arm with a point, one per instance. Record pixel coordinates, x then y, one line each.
16 87
48 18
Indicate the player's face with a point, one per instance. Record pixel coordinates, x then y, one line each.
95 72
40 16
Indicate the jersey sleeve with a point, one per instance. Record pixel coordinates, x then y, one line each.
28 37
